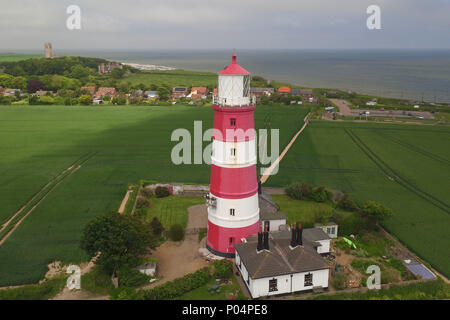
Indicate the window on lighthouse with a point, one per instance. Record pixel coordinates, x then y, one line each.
232 212
233 122
233 152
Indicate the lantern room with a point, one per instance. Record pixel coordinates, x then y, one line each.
234 86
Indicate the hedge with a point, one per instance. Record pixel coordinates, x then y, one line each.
180 286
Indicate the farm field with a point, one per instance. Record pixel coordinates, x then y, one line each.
104 149
173 78
6 57
405 167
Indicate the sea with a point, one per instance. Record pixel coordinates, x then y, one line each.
420 75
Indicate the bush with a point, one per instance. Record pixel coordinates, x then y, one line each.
126 293
319 194
157 226
176 232
146 192
294 191
131 278
142 202
178 287
223 269
346 203
340 281
85 99
162 192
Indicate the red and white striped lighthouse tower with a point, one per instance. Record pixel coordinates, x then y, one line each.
233 208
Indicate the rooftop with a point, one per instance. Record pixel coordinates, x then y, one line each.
234 68
280 259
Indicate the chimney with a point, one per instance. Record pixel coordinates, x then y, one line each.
260 242
266 239
293 236
299 234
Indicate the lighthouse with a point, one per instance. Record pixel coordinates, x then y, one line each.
233 208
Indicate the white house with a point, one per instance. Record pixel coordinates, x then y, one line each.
272 221
331 229
273 264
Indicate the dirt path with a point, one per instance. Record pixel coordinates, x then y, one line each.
124 201
176 259
269 170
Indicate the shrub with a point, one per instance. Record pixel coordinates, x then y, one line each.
306 190
85 99
223 269
319 194
346 203
126 293
294 191
162 192
142 202
157 226
131 277
340 281
146 192
176 232
178 287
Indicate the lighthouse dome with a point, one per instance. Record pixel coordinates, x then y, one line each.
234 68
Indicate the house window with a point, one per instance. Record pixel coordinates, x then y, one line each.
233 151
232 212
273 285
333 230
233 122
308 279
248 279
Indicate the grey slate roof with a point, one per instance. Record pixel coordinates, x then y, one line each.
315 234
280 259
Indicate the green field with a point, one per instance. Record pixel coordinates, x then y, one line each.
16 57
122 145
405 167
173 78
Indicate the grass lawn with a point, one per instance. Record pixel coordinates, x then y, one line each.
202 293
302 211
172 209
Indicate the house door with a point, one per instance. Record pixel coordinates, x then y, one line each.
266 225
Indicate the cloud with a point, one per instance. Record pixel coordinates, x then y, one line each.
140 24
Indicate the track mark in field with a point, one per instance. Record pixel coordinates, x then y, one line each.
11 224
395 176
414 148
269 170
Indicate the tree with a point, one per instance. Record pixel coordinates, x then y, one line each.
119 100
79 72
294 191
117 73
176 232
35 85
346 203
375 212
85 99
118 239
157 227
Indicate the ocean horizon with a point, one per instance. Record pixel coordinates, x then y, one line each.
415 74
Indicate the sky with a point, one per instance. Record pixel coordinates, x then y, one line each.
218 24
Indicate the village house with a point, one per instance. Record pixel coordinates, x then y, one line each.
305 94
179 92
10 92
89 90
198 93
261 92
1 90
331 229
283 262
41 93
284 90
103 92
151 94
